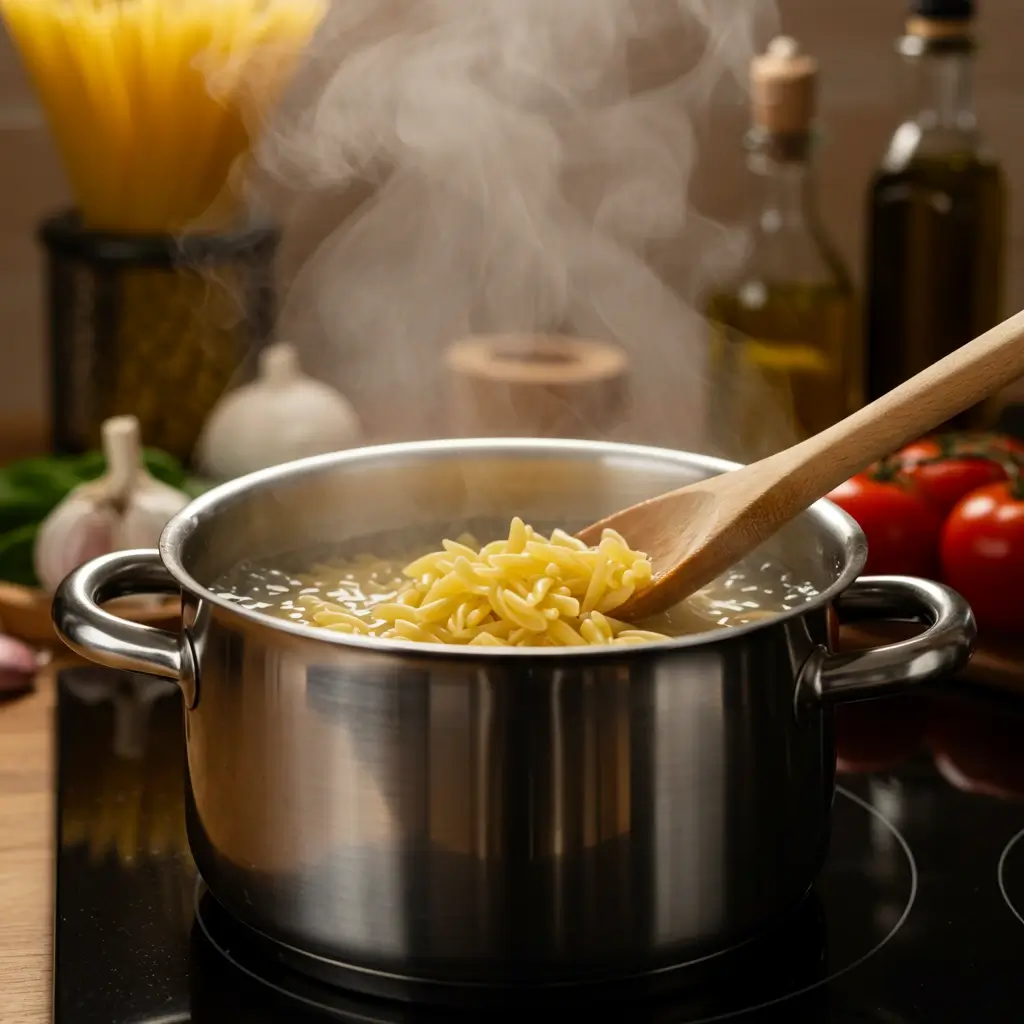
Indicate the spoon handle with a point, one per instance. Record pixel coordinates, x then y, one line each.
975 371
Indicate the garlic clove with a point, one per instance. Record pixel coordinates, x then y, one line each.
283 415
147 512
122 447
146 504
124 508
79 529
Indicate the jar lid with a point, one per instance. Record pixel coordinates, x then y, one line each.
784 88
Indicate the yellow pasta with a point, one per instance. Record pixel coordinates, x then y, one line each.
527 590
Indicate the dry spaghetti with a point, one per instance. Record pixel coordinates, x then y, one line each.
151 103
526 590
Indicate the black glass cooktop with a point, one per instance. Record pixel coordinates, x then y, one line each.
918 915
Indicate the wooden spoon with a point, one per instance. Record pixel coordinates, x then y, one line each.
696 533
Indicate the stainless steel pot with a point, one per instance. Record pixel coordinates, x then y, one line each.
396 813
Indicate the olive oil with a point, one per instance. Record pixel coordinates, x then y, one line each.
936 210
781 363
783 355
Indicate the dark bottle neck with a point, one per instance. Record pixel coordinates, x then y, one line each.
943 67
945 91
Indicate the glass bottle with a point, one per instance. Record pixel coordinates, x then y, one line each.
783 357
936 210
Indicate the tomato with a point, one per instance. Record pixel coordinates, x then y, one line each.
948 467
901 527
982 554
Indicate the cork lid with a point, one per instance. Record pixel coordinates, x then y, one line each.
784 88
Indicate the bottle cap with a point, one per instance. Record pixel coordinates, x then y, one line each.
942 10
784 88
940 19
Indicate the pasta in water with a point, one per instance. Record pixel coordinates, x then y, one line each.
526 590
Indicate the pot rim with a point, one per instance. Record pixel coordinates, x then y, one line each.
828 515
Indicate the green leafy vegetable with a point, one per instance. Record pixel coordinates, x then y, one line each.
16 547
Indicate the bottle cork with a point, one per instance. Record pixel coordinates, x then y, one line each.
784 88
937 29
536 386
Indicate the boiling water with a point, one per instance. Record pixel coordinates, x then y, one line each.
281 587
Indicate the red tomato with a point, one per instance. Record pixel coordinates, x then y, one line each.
946 468
982 551
901 527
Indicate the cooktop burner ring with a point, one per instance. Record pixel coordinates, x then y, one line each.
1001 875
838 973
303 980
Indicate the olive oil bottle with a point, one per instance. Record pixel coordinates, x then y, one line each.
936 214
783 354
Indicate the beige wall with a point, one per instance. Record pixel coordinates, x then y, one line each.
862 101
30 185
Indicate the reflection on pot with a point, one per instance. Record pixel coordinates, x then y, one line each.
873 736
978 749
855 1013
133 805
233 977
975 743
886 853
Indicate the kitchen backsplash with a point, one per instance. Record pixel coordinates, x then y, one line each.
863 95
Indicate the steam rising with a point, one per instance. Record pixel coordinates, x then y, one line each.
509 166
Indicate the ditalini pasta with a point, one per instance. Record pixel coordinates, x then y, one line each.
527 590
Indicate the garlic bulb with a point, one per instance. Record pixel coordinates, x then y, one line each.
283 415
124 508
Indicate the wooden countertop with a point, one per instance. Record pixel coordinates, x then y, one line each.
26 819
26 853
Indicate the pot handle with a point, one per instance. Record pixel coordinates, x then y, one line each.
942 649
114 642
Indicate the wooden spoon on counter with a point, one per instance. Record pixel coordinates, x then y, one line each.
696 533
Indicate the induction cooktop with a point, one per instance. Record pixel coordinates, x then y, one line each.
918 915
